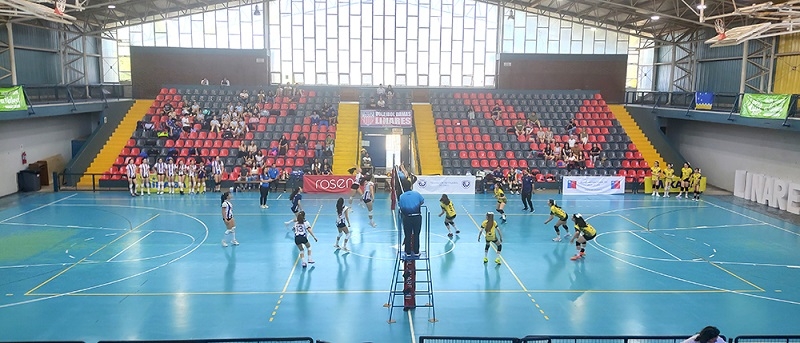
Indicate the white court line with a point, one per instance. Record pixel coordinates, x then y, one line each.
66 226
708 227
38 208
411 325
48 297
128 247
657 247
751 218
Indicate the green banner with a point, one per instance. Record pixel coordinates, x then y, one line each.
766 106
12 99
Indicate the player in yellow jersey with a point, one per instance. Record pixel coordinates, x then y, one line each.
655 174
557 212
669 175
501 201
450 210
695 180
493 235
686 173
583 233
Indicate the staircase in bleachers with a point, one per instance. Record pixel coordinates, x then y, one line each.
347 143
429 154
483 143
282 115
109 155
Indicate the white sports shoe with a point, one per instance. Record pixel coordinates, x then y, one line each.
557 239
224 243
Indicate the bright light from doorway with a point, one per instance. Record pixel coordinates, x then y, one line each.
392 150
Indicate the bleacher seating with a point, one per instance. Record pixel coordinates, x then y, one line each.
483 143
401 101
285 117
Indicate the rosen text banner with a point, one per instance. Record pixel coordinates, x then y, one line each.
327 183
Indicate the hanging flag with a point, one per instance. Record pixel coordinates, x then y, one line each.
703 100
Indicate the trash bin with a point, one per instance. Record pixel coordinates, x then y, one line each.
40 167
28 181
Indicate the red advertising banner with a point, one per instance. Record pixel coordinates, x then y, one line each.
327 183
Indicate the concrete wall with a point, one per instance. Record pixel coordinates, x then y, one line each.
720 149
39 138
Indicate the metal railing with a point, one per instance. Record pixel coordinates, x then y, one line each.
766 339
73 94
231 340
453 339
723 102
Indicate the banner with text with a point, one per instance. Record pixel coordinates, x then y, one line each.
583 185
327 183
766 106
455 184
12 99
380 118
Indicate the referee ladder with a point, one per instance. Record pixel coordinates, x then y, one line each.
412 275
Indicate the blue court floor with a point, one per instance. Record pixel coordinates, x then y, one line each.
105 266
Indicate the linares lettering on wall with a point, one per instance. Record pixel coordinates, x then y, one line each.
767 190
380 120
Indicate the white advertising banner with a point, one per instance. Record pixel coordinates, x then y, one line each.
583 185
445 184
767 190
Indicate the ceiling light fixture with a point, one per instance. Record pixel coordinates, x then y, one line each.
112 6
655 17
701 7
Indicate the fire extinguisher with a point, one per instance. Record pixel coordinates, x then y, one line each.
24 157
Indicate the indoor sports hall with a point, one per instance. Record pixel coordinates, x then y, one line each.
157 155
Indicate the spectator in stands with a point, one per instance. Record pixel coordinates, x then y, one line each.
572 162
571 127
287 90
471 113
271 96
709 334
214 124
566 151
225 82
549 135
389 92
496 111
594 152
314 117
283 145
577 149
548 152
204 82
326 167
302 141
279 91
571 141
582 161
519 128
252 149
372 102
557 151
238 129
529 129
366 162
534 118
329 144
262 96
381 103
316 167
186 124
259 158
584 136
297 92
381 90
252 123
542 135
244 96
148 126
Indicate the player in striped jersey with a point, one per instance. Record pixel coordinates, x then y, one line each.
217 167
369 197
144 177
130 172
181 175
357 180
191 171
227 218
342 224
161 171
171 170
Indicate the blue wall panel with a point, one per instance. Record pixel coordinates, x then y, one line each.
35 37
38 67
